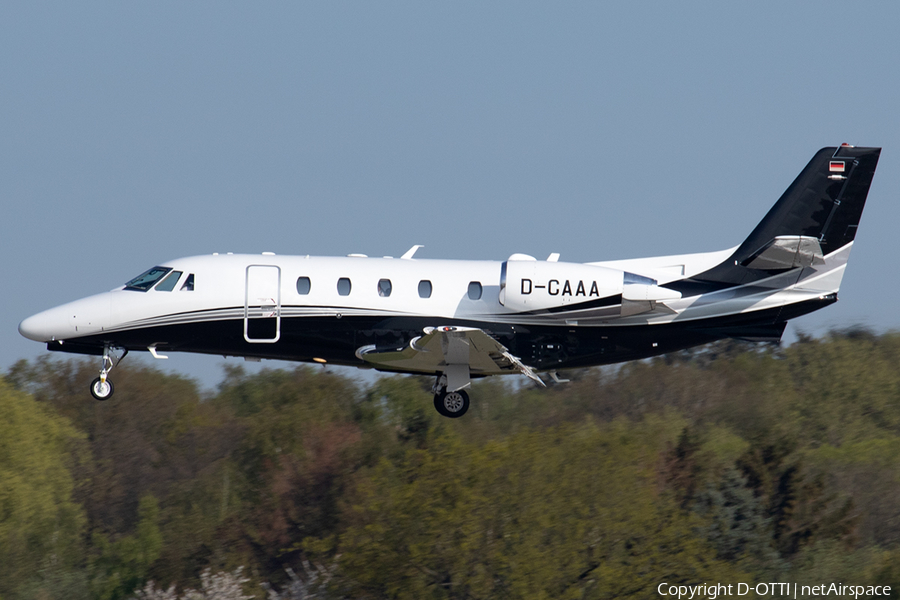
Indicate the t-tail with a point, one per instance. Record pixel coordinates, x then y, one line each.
796 256
812 225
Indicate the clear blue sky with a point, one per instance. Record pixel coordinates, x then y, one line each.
136 132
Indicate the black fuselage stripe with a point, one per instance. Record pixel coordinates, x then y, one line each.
543 347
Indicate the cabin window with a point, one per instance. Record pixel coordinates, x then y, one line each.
188 285
303 285
168 284
424 289
343 286
384 287
147 279
474 290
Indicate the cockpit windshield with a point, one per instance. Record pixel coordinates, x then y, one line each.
145 280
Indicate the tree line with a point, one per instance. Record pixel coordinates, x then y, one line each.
731 462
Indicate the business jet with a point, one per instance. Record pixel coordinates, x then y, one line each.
458 320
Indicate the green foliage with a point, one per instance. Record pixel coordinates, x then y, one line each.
301 443
849 386
155 437
403 403
572 512
736 524
151 437
124 564
728 462
40 522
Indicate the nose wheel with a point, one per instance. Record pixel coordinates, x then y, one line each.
102 388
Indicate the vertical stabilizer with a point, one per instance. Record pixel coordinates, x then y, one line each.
816 216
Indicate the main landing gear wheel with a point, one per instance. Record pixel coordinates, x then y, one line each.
451 404
102 390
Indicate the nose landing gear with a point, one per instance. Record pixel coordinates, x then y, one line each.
102 388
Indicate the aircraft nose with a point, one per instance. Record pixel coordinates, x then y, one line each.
75 319
46 326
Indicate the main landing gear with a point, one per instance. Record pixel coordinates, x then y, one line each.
449 404
102 388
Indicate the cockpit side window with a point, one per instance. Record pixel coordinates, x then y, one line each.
147 279
168 284
188 284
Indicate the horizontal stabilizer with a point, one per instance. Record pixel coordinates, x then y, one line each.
787 252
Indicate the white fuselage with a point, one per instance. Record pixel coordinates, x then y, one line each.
224 289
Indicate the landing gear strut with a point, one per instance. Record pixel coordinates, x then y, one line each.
102 388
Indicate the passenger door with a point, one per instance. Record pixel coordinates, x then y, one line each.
262 304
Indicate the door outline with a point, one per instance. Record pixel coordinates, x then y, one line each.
261 291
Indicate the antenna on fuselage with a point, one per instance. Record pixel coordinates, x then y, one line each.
409 253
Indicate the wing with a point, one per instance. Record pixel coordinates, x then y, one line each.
458 352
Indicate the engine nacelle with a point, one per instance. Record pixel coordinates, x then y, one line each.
529 284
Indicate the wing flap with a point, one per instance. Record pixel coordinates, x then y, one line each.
459 352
